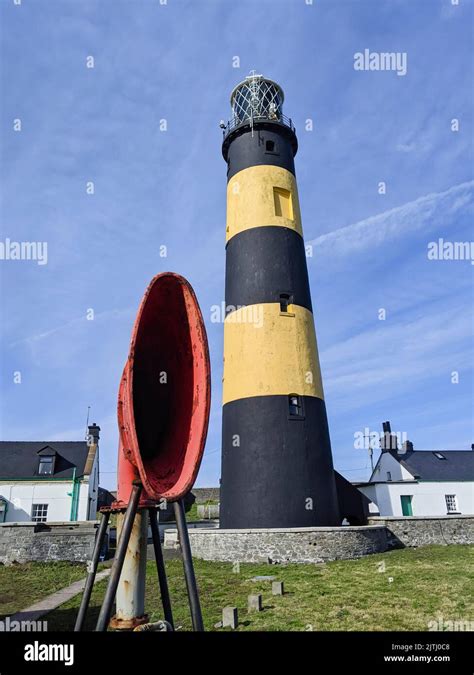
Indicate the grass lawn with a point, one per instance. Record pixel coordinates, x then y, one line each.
192 514
23 585
343 595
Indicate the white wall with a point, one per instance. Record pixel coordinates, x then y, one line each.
22 495
428 499
388 463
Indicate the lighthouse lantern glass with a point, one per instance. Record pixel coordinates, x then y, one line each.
257 98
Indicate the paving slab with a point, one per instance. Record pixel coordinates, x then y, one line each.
54 600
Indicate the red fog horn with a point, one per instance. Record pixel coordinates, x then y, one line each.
164 394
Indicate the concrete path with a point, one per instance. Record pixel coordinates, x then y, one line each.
54 600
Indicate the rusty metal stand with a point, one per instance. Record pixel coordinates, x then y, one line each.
89 585
160 566
194 605
117 566
106 609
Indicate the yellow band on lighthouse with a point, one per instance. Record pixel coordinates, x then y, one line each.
269 352
262 195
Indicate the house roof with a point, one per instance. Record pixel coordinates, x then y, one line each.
20 459
458 465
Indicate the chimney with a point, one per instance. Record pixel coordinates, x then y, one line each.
93 444
93 434
389 440
407 446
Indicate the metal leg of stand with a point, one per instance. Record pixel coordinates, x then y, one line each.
89 585
106 609
191 586
160 566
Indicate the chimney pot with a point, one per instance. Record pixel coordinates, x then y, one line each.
407 446
93 433
386 427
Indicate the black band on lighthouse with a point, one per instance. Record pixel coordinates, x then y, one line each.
276 468
263 263
271 144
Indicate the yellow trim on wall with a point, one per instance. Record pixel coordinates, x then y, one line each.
268 352
251 199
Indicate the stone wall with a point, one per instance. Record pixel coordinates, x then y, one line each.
208 511
420 531
204 495
25 542
299 544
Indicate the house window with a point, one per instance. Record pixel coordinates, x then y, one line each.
389 475
270 146
283 203
46 466
39 513
451 503
295 407
439 455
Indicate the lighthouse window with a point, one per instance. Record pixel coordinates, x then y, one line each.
283 204
270 146
295 405
284 302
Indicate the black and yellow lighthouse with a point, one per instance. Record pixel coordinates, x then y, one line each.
277 468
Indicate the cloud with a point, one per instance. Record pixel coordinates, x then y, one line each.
422 214
73 323
380 362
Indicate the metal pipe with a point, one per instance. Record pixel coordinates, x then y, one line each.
89 585
130 597
160 566
122 544
188 567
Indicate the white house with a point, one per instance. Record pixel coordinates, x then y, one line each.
49 480
408 482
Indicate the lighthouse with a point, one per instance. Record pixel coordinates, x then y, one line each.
277 468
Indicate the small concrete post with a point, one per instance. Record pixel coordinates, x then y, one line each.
230 617
255 603
278 588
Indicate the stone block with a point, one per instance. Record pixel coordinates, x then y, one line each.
278 588
254 603
230 617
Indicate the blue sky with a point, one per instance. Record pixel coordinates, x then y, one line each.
155 188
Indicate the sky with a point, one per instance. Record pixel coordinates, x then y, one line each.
394 326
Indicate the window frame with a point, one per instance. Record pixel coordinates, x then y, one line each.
455 504
46 460
288 295
283 193
271 152
300 406
39 513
